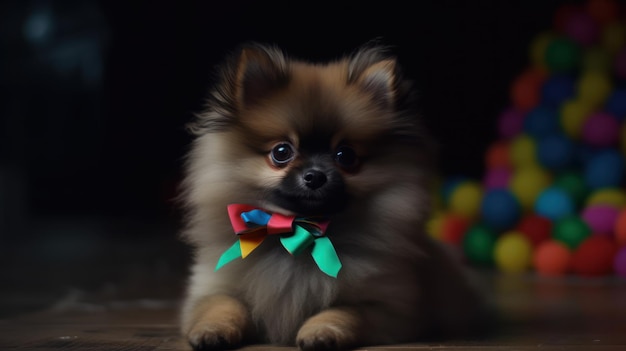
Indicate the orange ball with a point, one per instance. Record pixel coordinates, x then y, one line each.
552 258
620 228
498 155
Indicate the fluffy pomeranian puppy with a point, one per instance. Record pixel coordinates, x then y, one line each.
307 190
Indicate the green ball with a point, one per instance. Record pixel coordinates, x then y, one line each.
562 55
573 183
478 244
571 230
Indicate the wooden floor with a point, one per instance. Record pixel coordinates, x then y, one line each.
126 301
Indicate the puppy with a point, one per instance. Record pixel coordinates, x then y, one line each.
307 189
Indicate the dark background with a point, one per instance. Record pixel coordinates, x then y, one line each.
95 96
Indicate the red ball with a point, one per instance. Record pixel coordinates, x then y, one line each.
603 11
601 129
594 257
536 228
454 228
526 88
552 258
563 14
498 155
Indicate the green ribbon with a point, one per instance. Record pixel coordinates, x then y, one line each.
322 250
229 255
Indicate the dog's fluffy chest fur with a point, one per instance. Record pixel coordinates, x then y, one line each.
282 290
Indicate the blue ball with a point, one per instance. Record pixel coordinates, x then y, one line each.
605 169
554 203
500 210
556 152
557 89
616 104
542 121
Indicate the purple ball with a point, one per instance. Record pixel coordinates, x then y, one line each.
601 218
510 123
497 178
619 264
581 28
601 129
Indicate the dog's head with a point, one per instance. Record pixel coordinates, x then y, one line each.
304 138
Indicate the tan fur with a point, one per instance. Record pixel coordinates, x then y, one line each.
332 328
218 320
396 284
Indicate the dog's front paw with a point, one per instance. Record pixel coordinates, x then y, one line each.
206 336
321 338
216 323
331 330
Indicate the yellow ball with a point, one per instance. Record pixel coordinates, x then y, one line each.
574 113
513 252
608 196
434 225
527 183
594 88
538 48
466 199
523 151
613 37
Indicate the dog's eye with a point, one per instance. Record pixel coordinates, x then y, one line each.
346 157
282 153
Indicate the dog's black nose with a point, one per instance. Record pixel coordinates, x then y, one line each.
314 178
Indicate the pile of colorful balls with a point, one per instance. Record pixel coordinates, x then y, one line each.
553 196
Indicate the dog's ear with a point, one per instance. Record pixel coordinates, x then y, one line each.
260 71
245 78
375 73
379 80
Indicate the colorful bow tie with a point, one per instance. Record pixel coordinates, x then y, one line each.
253 225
